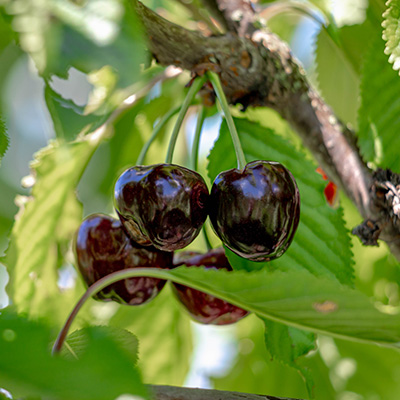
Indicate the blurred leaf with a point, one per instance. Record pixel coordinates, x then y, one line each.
130 134
379 114
254 371
337 80
77 342
391 34
295 298
4 139
60 34
379 382
322 5
101 38
321 244
41 224
7 35
351 40
69 119
165 338
287 344
27 368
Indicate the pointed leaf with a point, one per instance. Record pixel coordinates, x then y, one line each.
295 298
41 224
321 244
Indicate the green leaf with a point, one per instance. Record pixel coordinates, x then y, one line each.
295 298
4 140
165 338
366 381
337 79
253 370
27 368
7 36
42 225
351 41
321 244
379 114
59 34
69 119
391 34
286 344
77 342
129 136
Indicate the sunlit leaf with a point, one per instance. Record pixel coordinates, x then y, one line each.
41 224
337 79
165 338
379 114
27 368
295 298
391 33
321 244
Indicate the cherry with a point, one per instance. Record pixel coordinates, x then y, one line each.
201 306
164 205
255 212
102 247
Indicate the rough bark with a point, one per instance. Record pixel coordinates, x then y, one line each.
260 71
179 393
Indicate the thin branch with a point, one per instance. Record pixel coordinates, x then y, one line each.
261 72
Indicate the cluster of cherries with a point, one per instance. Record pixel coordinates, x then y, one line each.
162 208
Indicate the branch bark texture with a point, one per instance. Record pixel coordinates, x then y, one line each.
180 393
257 69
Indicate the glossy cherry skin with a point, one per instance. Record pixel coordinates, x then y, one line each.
102 247
201 306
255 212
164 205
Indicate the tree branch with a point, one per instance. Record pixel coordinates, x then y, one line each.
181 393
260 71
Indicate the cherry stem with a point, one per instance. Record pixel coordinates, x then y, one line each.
194 88
214 79
195 158
196 140
155 133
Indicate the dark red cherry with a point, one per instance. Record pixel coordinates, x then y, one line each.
164 205
255 212
102 247
201 306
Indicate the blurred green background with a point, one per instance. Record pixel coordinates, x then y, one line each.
231 358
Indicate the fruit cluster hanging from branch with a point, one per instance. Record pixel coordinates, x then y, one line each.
254 210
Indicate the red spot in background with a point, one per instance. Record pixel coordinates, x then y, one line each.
330 191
